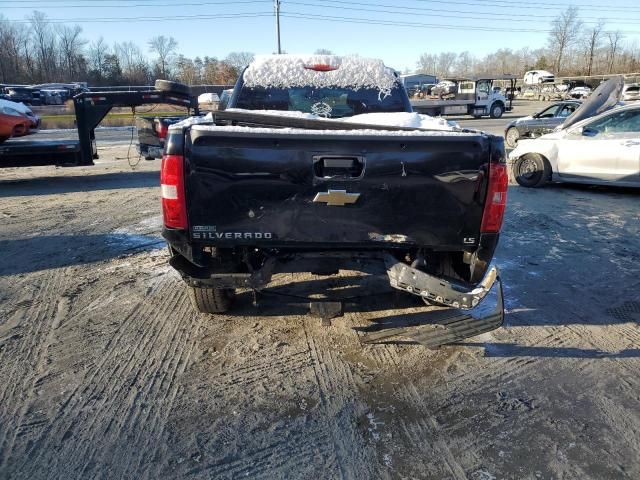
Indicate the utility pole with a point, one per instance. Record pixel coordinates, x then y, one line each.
277 6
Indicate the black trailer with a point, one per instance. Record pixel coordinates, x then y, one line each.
90 110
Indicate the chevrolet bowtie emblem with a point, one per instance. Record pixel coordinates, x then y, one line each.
337 198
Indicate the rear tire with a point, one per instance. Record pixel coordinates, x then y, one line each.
532 170
511 137
174 87
211 300
496 110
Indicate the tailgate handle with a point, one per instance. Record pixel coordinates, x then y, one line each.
338 167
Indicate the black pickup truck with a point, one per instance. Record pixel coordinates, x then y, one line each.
256 191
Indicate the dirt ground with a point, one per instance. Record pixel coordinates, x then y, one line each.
107 372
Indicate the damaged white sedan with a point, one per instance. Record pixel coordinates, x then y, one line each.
596 145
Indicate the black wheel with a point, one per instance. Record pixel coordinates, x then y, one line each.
511 138
496 110
174 87
211 300
149 158
532 170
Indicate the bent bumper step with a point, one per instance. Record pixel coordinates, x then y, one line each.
450 326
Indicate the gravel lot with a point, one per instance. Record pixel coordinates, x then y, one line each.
108 373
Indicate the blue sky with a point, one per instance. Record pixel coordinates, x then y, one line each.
397 31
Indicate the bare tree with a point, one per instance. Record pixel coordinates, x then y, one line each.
239 60
591 42
614 39
446 60
133 63
71 46
323 51
45 45
165 48
565 30
465 64
427 63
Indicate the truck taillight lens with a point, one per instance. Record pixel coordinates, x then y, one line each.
174 207
161 129
496 198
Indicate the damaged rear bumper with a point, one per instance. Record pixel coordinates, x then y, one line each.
435 289
444 326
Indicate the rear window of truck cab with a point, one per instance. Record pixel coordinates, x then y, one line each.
331 102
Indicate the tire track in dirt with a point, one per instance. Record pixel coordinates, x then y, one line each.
129 387
42 317
150 422
91 405
427 427
339 401
289 454
233 378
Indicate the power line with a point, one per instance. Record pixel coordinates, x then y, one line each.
532 6
489 3
148 19
342 19
430 14
372 21
491 14
138 5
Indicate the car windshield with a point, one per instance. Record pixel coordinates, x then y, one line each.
333 102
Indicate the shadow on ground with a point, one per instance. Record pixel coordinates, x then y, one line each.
80 183
58 251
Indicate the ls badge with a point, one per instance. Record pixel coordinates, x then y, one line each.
338 198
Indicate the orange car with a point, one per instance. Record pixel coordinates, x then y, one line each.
12 124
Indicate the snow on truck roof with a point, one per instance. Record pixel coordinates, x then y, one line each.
283 71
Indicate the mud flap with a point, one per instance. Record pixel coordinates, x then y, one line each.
449 326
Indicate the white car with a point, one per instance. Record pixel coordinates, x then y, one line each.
596 149
631 92
580 92
535 77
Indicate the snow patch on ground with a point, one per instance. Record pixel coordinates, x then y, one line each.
283 71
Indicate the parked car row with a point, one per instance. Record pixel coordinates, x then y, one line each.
599 143
45 94
16 120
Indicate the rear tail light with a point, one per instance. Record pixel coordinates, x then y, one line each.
174 206
496 198
321 67
161 129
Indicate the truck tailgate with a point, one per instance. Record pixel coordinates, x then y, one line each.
343 189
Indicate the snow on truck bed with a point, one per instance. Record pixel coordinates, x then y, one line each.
424 124
284 71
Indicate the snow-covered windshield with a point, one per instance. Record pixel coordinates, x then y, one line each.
329 102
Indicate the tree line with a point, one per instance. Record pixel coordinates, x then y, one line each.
41 52
573 48
38 51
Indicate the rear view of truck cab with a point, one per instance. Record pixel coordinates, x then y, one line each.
324 166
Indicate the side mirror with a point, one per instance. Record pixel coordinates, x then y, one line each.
588 132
